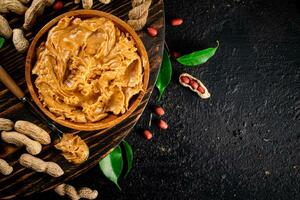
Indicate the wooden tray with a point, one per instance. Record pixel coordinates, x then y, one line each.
23 182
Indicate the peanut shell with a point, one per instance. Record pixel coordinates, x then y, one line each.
6 124
206 94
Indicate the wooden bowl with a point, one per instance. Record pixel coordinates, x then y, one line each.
111 120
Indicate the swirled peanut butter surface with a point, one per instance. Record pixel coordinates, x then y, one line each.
73 148
87 69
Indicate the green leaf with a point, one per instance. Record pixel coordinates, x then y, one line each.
198 57
129 156
165 74
2 41
112 165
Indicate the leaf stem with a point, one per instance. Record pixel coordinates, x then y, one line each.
167 48
150 121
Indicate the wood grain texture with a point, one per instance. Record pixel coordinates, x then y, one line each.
23 181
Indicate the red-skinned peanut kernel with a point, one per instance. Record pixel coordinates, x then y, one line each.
201 89
148 135
162 124
152 31
58 5
194 84
176 21
175 54
185 79
159 111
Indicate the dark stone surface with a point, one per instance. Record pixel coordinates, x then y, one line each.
242 143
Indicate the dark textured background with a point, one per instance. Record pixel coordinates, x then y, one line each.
242 143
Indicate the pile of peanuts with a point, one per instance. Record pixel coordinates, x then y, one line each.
28 135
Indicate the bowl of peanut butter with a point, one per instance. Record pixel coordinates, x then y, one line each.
87 70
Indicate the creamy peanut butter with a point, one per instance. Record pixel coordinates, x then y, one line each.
73 148
87 69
